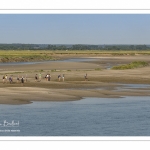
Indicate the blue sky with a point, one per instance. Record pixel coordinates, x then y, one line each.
75 28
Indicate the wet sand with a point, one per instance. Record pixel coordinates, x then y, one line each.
102 81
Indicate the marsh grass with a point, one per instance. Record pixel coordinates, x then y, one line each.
98 69
132 65
24 55
53 70
40 55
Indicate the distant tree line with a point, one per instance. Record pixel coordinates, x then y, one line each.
99 47
71 47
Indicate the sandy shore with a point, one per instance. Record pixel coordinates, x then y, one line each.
102 81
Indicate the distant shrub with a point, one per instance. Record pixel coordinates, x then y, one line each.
97 69
53 70
135 64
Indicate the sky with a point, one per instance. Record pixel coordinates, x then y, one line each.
75 28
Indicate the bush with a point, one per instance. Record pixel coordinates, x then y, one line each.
135 64
97 69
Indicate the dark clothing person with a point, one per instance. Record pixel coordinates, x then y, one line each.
49 78
10 79
22 80
3 79
36 78
59 76
18 79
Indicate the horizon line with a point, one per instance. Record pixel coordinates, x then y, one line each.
74 44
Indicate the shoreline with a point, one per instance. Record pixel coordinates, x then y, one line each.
25 95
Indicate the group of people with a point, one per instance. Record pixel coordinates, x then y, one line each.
10 79
48 77
59 77
6 79
38 77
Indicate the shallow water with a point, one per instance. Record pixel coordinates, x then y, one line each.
128 116
131 86
136 85
30 63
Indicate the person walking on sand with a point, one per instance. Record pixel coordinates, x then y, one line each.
46 77
59 76
22 81
36 78
10 79
3 79
85 77
49 77
18 79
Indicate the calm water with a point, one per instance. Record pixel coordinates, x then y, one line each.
129 116
30 63
131 86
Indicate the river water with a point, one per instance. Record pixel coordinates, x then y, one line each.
126 116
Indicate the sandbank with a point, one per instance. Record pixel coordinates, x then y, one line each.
102 81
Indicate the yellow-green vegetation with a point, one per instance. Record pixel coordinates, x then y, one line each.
24 55
40 55
53 70
98 69
135 64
